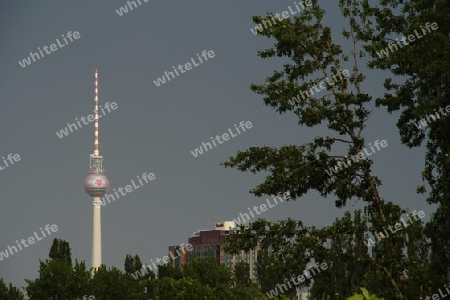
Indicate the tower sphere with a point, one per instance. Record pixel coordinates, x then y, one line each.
96 185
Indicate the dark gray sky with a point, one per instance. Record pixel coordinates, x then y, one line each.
154 128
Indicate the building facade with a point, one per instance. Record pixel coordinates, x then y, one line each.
210 243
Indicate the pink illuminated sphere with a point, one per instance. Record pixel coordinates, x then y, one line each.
96 185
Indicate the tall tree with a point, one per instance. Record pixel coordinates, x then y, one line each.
58 279
315 60
60 250
56 275
419 89
132 264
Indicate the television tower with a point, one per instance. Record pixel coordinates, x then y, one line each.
96 185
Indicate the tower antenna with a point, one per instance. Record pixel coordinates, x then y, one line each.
96 151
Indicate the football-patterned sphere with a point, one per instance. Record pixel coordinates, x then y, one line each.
96 185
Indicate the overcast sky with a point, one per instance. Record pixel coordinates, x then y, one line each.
154 129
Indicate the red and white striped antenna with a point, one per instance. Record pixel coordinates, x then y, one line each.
96 152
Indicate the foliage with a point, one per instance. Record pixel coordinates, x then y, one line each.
312 56
419 89
10 292
241 274
56 279
365 295
343 247
185 288
132 264
60 250
169 271
114 284
208 272
200 279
